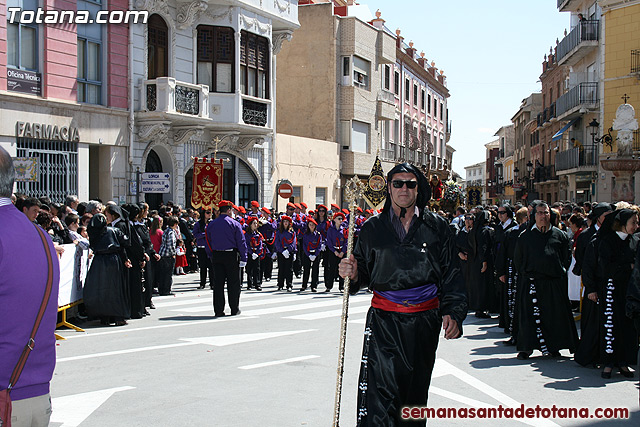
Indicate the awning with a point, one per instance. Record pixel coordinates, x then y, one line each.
558 134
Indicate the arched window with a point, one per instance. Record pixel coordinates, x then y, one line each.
157 47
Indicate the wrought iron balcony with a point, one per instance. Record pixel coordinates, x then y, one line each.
577 157
636 140
545 173
578 42
254 113
635 61
581 95
167 95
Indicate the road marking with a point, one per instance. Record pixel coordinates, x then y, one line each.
326 314
199 299
223 340
297 307
278 362
218 341
170 325
72 410
244 304
442 368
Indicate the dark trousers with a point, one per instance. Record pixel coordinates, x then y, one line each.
331 273
149 280
165 272
297 264
226 268
310 268
266 264
285 271
205 265
135 290
254 278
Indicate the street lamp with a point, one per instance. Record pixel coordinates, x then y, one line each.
604 139
516 171
529 169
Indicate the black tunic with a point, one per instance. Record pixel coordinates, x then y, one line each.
399 348
506 267
633 292
543 310
106 291
606 270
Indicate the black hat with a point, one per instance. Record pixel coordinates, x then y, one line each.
599 209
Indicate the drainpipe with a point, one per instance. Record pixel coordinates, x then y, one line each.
131 90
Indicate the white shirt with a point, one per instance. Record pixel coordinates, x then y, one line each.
535 226
4 201
622 235
506 223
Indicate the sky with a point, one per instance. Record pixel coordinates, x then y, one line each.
491 52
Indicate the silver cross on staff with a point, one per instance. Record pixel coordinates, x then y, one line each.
353 191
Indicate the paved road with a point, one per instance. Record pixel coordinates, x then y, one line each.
275 365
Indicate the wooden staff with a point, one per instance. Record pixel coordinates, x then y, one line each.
353 191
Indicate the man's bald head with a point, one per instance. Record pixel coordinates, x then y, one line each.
7 174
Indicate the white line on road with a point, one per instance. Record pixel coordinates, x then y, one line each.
72 410
326 314
297 307
169 325
243 304
278 362
201 297
218 341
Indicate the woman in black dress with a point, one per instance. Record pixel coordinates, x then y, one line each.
608 265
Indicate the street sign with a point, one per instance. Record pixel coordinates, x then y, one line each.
155 182
285 190
516 186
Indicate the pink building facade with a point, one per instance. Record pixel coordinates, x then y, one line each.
421 129
64 100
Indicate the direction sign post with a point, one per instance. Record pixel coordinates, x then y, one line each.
155 182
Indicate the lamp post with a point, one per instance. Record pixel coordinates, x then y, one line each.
604 139
529 169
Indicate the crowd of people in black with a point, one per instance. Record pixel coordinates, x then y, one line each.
532 267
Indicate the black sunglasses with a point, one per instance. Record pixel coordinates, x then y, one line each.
410 184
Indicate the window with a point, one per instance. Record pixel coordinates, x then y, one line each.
422 99
429 104
254 65
346 74
387 77
297 194
157 47
359 137
441 111
435 108
387 132
22 39
361 72
435 145
415 94
216 59
321 196
396 83
406 90
89 55
396 130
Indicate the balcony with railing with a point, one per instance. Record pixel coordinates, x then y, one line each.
545 173
167 95
636 140
386 105
635 61
579 42
576 158
582 95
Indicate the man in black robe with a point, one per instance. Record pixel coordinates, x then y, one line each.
408 257
543 310
506 222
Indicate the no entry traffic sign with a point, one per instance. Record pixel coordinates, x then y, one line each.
285 190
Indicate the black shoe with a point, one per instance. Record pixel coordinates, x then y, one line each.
626 372
220 315
258 288
151 306
201 287
302 289
314 290
482 315
524 355
327 290
235 313
279 288
605 375
164 295
146 312
289 289
510 341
